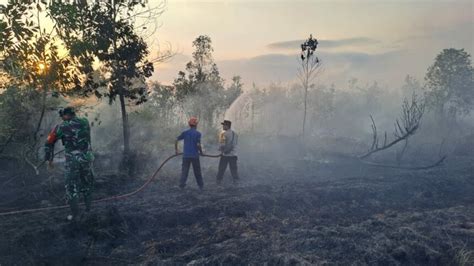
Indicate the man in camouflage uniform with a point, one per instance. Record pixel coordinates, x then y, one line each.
74 133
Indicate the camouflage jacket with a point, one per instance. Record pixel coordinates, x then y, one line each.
75 136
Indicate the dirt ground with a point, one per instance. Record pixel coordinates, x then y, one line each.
300 212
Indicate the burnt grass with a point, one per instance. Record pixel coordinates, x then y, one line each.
298 212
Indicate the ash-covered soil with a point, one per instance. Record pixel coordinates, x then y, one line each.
299 212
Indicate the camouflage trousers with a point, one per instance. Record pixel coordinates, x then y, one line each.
79 179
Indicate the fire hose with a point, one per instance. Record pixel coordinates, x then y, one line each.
115 197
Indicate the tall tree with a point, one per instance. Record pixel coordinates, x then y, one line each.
32 69
309 68
449 84
200 88
201 69
105 32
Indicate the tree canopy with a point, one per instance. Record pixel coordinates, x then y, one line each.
200 88
105 33
449 83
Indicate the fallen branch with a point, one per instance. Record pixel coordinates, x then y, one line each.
405 126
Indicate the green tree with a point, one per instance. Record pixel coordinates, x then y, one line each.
105 32
449 84
162 103
202 69
32 70
200 90
233 91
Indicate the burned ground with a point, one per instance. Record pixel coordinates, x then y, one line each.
332 211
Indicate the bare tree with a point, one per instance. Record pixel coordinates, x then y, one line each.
308 71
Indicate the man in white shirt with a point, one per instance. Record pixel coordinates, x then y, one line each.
228 140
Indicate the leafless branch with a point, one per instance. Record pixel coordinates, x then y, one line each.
309 69
164 55
145 20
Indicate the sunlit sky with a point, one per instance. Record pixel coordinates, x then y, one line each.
377 40
369 40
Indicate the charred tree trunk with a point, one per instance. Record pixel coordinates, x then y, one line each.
125 127
305 96
127 163
308 71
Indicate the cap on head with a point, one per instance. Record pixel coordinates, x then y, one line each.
67 111
193 121
226 123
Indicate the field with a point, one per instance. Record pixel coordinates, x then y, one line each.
285 212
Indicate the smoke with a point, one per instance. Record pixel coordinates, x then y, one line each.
268 121
339 124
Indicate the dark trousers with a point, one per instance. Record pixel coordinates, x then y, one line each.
185 171
223 162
